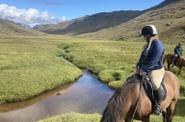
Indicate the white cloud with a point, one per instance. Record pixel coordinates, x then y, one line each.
27 16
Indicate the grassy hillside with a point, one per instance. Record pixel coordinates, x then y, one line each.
169 17
30 66
9 28
89 23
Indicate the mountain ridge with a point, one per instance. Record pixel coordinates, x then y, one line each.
89 23
169 17
9 28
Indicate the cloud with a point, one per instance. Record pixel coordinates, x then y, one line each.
29 16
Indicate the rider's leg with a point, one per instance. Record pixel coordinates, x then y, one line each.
158 95
156 77
174 60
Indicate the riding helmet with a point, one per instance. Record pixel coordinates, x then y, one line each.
179 44
150 30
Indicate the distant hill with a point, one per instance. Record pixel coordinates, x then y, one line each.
89 24
169 17
8 28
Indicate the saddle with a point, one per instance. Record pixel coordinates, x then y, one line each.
145 80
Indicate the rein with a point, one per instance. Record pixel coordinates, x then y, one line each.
132 119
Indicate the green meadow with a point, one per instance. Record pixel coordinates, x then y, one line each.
30 66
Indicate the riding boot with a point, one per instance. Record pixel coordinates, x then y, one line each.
158 95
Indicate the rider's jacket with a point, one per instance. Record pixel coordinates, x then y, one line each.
178 51
152 56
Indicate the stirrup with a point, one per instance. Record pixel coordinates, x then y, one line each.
157 110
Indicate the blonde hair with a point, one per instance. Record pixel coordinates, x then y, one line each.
156 37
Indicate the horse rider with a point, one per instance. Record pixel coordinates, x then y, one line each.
177 53
151 63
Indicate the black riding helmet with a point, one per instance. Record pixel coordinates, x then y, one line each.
149 30
179 44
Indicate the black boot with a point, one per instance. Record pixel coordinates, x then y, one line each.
159 96
156 109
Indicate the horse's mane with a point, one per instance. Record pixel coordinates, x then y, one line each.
132 78
112 111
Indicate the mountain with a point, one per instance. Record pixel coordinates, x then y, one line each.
169 17
89 24
9 28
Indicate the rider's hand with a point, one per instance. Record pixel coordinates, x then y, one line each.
141 72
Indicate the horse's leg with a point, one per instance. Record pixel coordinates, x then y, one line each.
127 120
180 68
146 119
164 116
170 111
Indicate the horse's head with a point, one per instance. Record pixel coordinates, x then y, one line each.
182 61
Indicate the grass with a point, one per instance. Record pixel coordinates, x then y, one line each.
74 117
30 66
106 58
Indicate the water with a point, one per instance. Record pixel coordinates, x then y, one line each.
87 95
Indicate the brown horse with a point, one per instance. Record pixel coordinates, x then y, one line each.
131 101
180 63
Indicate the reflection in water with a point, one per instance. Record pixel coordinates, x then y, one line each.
87 95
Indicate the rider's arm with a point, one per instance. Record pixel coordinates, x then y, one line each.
179 51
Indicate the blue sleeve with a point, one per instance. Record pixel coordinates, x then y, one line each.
158 50
180 51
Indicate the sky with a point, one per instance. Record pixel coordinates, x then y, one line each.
32 12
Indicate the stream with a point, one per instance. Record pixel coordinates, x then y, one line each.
86 95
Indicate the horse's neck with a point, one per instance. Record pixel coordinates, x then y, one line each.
122 101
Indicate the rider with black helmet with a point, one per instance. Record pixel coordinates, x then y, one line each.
177 53
151 63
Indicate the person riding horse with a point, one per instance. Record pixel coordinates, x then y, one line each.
177 53
151 63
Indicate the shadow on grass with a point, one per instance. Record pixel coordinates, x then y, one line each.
180 110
